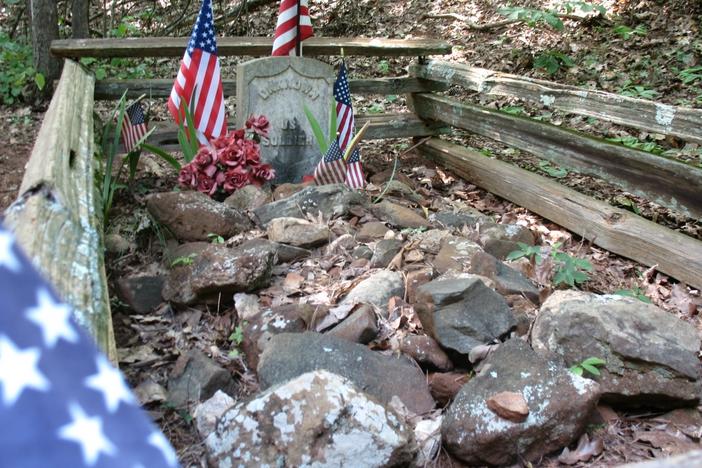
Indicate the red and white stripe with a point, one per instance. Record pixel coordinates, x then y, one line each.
354 175
131 134
200 75
330 173
344 124
285 38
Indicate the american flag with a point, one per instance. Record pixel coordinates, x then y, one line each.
133 126
285 39
199 82
331 169
345 128
61 401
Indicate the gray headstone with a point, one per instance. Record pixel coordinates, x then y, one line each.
278 87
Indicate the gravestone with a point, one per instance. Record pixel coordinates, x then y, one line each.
278 87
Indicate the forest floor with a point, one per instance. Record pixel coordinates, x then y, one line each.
645 60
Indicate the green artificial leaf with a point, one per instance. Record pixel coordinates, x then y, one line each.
316 130
594 361
591 369
332 123
40 80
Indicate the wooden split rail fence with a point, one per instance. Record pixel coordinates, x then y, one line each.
57 221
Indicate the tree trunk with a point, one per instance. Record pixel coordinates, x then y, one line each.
44 19
80 19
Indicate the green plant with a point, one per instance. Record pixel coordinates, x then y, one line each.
590 365
514 110
532 16
187 131
236 338
636 293
384 67
625 32
570 270
690 75
552 61
585 7
638 91
376 108
553 171
635 143
567 269
532 252
17 70
184 260
215 238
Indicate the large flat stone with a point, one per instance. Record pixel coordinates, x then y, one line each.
191 216
377 289
651 355
331 200
289 355
559 404
316 419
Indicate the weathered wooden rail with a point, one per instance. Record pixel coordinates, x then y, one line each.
55 217
247 46
664 181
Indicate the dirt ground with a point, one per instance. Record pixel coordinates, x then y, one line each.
601 58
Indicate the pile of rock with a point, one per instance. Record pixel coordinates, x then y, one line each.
434 344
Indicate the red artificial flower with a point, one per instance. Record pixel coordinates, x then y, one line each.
263 172
206 184
236 178
259 125
233 155
188 176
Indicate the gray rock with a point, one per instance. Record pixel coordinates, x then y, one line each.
501 239
200 379
292 354
430 241
377 289
191 216
261 328
385 250
330 200
141 293
362 251
426 351
507 280
651 355
317 419
218 272
359 327
284 253
298 232
455 254
372 231
207 413
559 405
463 313
399 216
466 217
116 244
248 198
395 188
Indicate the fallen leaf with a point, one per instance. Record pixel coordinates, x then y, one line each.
585 450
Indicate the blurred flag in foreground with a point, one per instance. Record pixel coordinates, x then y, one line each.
331 169
199 83
61 402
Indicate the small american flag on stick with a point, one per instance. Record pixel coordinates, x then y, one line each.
133 126
345 128
293 21
199 82
331 169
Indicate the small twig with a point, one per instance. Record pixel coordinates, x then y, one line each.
394 168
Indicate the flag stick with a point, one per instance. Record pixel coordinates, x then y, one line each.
298 42
356 140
